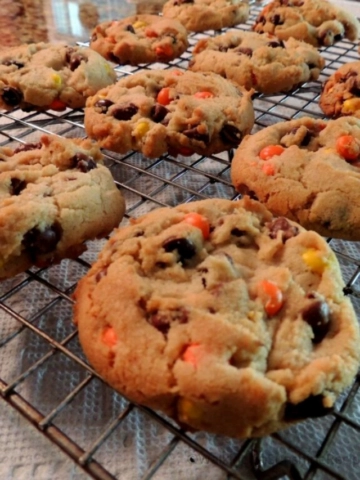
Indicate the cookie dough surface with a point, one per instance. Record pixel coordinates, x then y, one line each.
341 92
232 321
261 62
172 111
42 76
318 22
140 39
201 15
307 170
54 196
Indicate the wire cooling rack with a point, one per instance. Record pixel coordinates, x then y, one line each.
45 377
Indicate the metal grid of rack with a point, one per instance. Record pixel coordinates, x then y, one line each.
39 338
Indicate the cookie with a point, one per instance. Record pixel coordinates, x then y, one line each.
232 321
341 92
42 76
318 22
307 170
140 39
261 62
54 196
161 111
201 15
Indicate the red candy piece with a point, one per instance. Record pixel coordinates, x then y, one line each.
272 297
348 147
271 151
151 33
57 105
198 221
109 337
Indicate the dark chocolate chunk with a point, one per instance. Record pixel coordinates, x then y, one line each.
39 242
277 44
163 320
130 28
282 224
185 248
245 51
17 186
11 96
237 232
82 162
276 20
180 2
312 407
317 315
104 104
196 135
158 113
230 134
28 146
338 37
125 112
13 62
113 58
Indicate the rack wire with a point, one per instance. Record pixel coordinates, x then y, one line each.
45 377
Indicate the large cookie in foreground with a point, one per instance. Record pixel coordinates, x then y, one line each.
261 62
201 15
54 196
140 39
340 95
232 321
43 76
161 111
318 22
307 170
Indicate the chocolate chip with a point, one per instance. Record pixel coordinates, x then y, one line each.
245 51
354 88
196 135
237 232
310 408
317 315
278 44
28 146
75 61
158 113
230 134
13 62
261 19
39 242
180 2
17 186
276 20
130 28
104 104
125 112
11 96
306 138
163 320
338 37
283 225
185 248
82 162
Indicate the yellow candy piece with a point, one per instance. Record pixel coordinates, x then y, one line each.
139 24
351 105
141 129
57 79
315 259
188 411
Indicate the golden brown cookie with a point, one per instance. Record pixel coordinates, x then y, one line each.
172 111
232 321
307 170
140 39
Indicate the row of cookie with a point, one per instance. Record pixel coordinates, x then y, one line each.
318 22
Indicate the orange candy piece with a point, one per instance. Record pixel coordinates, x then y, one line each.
164 96
149 32
272 297
198 221
268 169
271 151
191 354
109 337
203 95
164 51
348 147
57 105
